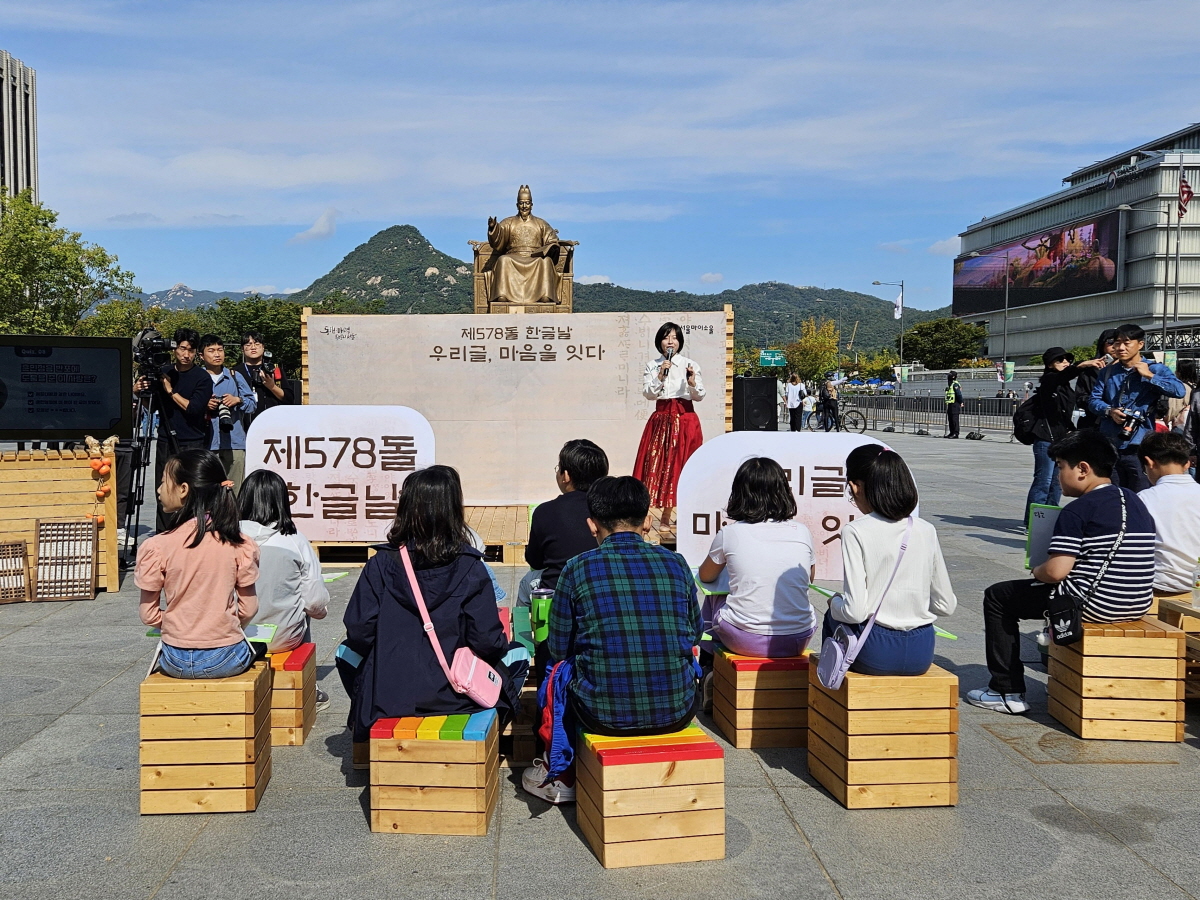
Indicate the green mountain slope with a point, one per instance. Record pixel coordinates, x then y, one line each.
401 267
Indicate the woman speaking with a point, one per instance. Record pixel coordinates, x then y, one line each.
673 431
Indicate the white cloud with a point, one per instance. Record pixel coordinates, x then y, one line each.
139 218
324 227
259 289
291 290
594 279
948 247
712 277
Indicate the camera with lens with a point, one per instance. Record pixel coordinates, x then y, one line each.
151 351
1133 422
257 371
225 418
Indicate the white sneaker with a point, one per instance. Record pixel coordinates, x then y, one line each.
1014 704
121 537
533 781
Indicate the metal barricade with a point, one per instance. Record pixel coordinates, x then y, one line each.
927 414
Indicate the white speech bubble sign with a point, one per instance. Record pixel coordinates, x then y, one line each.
343 465
815 465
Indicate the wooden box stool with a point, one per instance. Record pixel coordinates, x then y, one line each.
1120 682
205 743
293 695
760 702
1180 612
434 775
643 801
885 740
517 744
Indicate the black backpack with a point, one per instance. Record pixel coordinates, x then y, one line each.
1024 420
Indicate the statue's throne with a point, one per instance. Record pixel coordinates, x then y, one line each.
564 265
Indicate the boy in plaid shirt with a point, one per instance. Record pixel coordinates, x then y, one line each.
626 615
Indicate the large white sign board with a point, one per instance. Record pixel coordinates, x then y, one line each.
343 464
505 392
815 465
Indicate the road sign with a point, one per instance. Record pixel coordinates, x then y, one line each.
771 358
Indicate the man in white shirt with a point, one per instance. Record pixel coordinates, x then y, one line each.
1174 501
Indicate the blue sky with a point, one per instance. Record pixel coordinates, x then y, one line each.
696 146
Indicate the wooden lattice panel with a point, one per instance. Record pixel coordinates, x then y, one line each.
14 572
66 559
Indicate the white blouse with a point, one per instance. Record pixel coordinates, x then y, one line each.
675 387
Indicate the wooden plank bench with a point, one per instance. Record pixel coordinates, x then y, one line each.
435 774
517 744
885 741
205 743
643 801
1182 614
293 695
1121 682
760 702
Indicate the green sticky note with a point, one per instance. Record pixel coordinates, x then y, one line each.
333 576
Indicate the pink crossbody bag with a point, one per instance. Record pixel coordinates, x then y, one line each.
469 674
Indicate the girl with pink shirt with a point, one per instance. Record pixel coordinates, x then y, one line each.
204 567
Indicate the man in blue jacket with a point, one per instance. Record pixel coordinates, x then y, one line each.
1124 399
229 408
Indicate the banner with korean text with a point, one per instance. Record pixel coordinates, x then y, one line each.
503 393
343 465
815 465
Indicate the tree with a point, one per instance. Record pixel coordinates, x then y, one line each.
941 343
878 364
49 276
816 352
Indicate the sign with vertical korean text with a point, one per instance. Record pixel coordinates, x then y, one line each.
504 392
815 465
343 465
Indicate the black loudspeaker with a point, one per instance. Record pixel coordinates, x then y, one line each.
755 404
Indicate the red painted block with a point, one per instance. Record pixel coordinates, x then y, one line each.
506 620
756 664
383 728
625 756
299 657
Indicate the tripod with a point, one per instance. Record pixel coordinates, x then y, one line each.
149 405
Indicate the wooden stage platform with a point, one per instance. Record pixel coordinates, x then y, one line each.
504 529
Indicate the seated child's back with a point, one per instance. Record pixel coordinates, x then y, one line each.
1174 501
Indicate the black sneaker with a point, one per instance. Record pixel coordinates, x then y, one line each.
322 700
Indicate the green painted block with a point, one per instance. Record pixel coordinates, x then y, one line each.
453 729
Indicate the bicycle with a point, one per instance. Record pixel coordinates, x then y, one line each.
849 419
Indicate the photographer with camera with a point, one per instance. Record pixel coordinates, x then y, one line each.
229 408
184 391
260 372
1125 397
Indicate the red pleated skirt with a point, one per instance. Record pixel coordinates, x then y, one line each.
671 436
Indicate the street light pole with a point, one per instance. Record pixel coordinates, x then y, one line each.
899 284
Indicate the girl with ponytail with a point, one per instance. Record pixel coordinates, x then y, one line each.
901 641
204 568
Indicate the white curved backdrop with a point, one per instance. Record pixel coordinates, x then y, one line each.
815 465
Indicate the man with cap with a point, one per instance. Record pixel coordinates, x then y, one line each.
1054 401
954 401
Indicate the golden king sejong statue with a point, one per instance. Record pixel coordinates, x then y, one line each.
523 263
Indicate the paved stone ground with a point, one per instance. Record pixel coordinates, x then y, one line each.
1041 814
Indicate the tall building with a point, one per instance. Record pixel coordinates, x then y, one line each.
18 126
1100 252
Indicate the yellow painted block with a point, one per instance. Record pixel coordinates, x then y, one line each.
430 728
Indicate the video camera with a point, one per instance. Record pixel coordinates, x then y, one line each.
151 351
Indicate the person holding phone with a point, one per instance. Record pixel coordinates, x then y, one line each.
261 373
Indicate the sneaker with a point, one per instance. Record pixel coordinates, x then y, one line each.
706 691
122 536
322 700
556 792
1014 704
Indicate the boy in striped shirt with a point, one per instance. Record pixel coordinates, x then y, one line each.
1084 536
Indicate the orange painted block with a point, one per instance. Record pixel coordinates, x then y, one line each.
407 727
278 659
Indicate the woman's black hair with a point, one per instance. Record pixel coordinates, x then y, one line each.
1107 336
666 329
264 499
888 485
1186 370
761 493
210 501
429 516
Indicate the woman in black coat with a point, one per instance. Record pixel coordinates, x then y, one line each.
399 673
1087 379
1054 402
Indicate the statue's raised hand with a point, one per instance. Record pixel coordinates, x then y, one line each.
491 224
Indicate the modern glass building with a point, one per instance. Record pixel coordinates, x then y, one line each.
18 126
1098 253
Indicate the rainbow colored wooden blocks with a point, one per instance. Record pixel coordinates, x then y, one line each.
205 744
885 740
760 702
435 774
643 801
1121 682
293 695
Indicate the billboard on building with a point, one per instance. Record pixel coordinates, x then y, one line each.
1065 261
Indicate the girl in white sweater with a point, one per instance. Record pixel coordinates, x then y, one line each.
901 641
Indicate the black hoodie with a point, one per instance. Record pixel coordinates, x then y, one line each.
400 675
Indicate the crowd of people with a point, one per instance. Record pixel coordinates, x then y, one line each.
624 652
